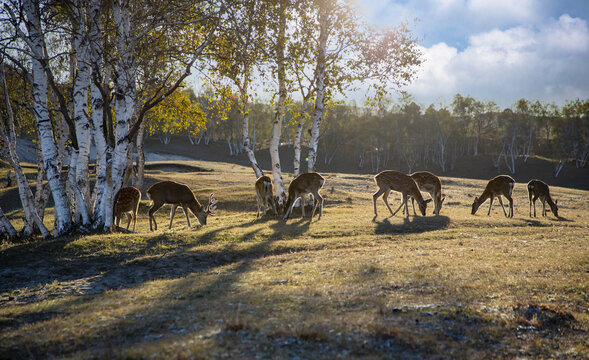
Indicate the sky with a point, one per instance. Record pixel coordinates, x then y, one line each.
500 50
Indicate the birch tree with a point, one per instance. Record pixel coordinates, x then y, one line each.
8 134
280 71
34 38
237 55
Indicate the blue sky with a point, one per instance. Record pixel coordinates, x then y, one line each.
500 50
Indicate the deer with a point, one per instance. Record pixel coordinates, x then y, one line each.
539 189
388 180
264 193
176 194
126 202
307 183
428 182
501 185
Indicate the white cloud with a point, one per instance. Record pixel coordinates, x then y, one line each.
567 34
520 10
547 62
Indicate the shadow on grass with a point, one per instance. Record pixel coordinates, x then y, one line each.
411 225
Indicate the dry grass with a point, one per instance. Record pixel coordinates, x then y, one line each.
349 285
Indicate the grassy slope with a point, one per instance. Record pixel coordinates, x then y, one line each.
348 285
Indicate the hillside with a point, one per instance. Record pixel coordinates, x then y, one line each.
479 167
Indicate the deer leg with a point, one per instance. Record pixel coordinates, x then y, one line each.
259 202
534 201
502 207
117 220
289 210
490 206
413 204
510 199
172 213
187 215
406 202
400 206
544 207
318 200
375 196
155 207
303 204
385 198
530 197
129 218
134 220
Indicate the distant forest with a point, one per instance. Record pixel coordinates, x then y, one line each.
408 133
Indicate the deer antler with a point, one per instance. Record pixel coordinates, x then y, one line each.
212 206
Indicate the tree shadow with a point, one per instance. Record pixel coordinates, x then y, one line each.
411 225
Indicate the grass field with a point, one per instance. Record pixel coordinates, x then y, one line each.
346 286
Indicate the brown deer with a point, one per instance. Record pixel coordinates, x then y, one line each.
395 180
496 187
539 189
126 202
264 194
307 183
170 192
428 182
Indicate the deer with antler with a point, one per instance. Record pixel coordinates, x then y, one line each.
176 194
389 180
539 189
501 185
126 202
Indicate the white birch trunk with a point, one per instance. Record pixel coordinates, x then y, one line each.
124 103
6 228
298 139
140 157
24 190
80 118
63 221
103 150
246 139
320 89
279 113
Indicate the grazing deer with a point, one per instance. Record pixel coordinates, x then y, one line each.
264 194
497 186
428 182
300 186
126 202
539 189
170 192
394 180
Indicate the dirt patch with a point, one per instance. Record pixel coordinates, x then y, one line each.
543 317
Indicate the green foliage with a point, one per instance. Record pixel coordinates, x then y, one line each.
175 115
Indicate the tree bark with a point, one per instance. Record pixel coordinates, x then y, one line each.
26 195
6 228
124 103
279 112
140 157
298 139
246 140
63 221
